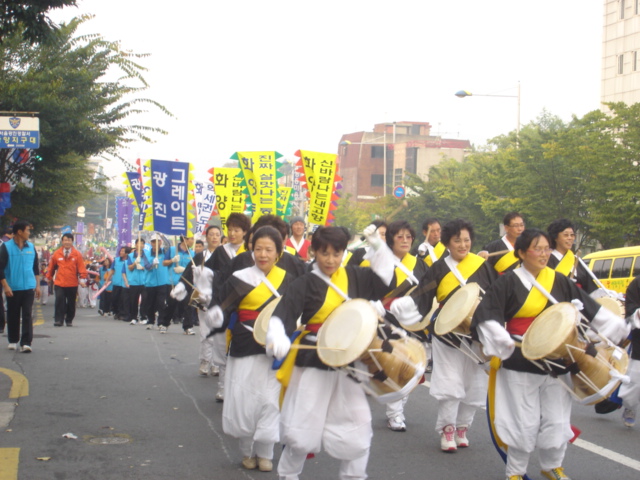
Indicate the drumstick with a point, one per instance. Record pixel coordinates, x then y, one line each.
402 206
501 252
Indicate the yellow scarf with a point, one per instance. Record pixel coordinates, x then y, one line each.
438 250
536 301
507 260
261 294
466 267
567 263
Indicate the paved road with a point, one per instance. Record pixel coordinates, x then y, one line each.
140 410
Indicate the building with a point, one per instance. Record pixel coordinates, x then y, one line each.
371 160
621 52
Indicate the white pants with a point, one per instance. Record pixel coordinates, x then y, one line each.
250 411
44 294
214 350
83 296
630 393
324 409
532 410
459 385
396 408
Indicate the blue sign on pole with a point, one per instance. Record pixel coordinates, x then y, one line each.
399 191
19 132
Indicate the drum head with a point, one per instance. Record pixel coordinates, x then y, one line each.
549 331
457 308
612 305
262 322
351 328
426 321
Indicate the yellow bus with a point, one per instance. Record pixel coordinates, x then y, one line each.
616 267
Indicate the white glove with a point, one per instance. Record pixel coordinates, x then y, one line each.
377 306
178 269
176 259
496 340
179 292
610 325
278 344
634 320
423 249
371 234
214 317
155 262
406 311
137 262
578 304
139 267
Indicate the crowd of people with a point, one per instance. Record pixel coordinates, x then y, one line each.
261 296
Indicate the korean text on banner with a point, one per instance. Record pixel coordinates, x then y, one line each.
205 201
124 214
321 175
260 171
230 197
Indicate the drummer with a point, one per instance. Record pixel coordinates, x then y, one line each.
531 406
356 257
407 274
324 407
251 410
499 253
457 382
432 248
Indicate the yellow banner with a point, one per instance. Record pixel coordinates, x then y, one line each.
228 190
320 170
260 172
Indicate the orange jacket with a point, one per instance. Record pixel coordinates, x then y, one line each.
67 271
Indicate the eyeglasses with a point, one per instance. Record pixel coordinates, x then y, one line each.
516 225
403 237
540 250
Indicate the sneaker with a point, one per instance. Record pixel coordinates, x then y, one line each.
57 324
429 368
101 312
144 322
13 346
515 477
397 424
204 368
163 329
189 331
264 464
220 395
133 322
215 370
250 463
149 326
461 438
447 440
629 417
555 474
26 349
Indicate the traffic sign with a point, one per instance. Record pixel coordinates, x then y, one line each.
399 191
19 132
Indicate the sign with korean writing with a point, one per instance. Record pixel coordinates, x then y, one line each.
124 213
321 174
169 195
134 189
19 132
285 200
230 197
260 171
205 201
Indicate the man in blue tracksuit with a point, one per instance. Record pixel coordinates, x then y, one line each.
135 277
20 275
179 258
156 281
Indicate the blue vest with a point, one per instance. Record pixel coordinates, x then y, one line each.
185 259
103 272
135 276
118 266
19 270
159 276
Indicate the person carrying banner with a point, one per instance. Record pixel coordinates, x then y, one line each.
156 282
181 256
136 277
120 296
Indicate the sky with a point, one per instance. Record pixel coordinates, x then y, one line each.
287 75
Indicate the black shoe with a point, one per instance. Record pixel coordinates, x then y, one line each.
69 324
57 324
101 313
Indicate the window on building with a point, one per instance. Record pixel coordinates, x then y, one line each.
397 178
411 164
635 61
377 151
377 180
415 129
621 9
620 64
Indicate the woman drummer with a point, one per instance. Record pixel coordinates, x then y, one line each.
251 410
458 382
323 407
531 407
407 274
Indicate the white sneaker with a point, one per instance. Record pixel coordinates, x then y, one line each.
204 368
189 331
163 329
462 441
26 349
447 440
13 346
397 424
144 322
220 395
133 322
215 370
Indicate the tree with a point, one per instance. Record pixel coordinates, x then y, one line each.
82 114
30 18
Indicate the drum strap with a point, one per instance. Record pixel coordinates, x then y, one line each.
567 262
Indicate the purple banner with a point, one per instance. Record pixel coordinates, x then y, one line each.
124 212
80 236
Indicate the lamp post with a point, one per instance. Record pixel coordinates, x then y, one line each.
465 93
384 155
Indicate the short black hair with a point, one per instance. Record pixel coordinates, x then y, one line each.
269 232
510 216
67 235
556 227
395 227
429 221
141 240
239 220
453 228
21 225
199 242
329 236
273 221
524 241
212 226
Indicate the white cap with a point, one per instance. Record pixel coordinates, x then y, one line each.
155 236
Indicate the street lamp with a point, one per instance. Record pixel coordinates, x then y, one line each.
384 155
465 93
